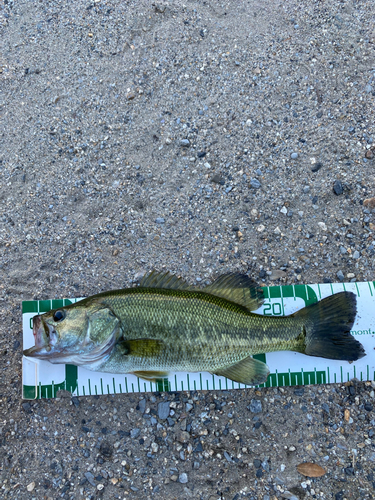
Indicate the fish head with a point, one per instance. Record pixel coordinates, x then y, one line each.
78 334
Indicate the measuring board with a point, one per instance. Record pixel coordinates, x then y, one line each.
41 379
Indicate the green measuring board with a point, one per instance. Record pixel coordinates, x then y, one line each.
42 379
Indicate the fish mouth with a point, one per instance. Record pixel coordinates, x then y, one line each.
45 337
82 354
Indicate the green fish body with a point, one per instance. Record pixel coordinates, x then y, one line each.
165 325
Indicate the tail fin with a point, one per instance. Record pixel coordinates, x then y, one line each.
327 326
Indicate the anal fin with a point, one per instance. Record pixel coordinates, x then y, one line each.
150 376
248 371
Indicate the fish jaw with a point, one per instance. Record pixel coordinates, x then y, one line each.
44 333
45 337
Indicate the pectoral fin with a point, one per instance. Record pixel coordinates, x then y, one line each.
150 376
248 371
143 348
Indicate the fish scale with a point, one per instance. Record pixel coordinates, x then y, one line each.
211 332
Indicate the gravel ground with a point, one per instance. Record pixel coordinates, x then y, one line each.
202 138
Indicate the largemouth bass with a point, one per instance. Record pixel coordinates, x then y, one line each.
166 325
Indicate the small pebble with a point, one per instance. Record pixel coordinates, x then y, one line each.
134 433
90 478
184 143
255 406
142 405
294 156
182 478
316 167
154 447
337 188
30 487
218 179
163 410
183 437
287 494
254 183
277 274
340 276
369 203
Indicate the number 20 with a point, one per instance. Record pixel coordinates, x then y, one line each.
272 309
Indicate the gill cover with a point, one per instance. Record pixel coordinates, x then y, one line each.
103 332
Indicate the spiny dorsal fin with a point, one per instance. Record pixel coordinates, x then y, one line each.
237 288
164 280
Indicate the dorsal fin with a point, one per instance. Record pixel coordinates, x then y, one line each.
237 288
164 280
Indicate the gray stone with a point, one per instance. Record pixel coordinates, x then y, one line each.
294 156
340 276
356 254
183 478
218 179
255 406
26 407
134 433
183 437
325 407
254 183
163 410
184 143
277 274
171 422
90 478
287 494
343 250
316 167
337 188
160 220
142 405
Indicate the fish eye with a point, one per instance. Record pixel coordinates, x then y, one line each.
59 316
